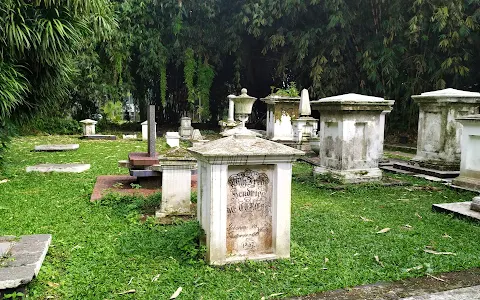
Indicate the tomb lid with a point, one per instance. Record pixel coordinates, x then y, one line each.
272 99
172 134
146 123
449 95
241 146
469 118
177 154
351 98
88 121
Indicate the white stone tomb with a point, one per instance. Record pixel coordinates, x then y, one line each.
280 112
88 126
305 127
145 130
185 130
470 158
351 136
173 139
439 134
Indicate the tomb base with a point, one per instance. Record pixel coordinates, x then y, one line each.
351 176
459 209
434 164
467 182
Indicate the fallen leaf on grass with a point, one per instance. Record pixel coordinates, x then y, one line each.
53 284
414 268
408 226
127 292
155 278
384 230
378 261
419 216
326 259
274 295
4 181
439 279
446 236
177 292
438 253
365 219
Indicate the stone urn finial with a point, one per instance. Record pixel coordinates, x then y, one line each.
243 106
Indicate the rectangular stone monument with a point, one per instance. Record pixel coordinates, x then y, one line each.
470 158
173 139
185 130
88 126
152 131
439 134
280 112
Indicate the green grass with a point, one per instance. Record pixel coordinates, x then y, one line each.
100 250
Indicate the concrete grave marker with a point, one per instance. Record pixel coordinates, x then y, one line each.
88 126
173 139
54 148
61 168
145 130
185 130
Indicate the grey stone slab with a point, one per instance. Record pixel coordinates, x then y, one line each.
469 293
16 276
64 168
5 248
433 178
426 171
145 173
395 170
461 209
53 148
99 137
24 259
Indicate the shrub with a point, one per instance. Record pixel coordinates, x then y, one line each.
51 125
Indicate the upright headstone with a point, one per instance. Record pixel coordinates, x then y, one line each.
88 126
439 134
173 139
244 192
145 130
152 131
351 136
470 158
185 130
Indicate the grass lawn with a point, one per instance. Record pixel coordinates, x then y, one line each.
99 251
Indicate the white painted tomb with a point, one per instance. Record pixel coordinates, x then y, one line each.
61 168
244 194
88 126
145 130
439 134
280 112
173 139
351 136
185 130
305 127
470 157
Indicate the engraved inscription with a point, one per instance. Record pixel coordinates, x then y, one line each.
249 211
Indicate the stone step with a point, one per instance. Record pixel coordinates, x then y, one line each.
145 173
54 148
426 171
99 137
394 170
459 209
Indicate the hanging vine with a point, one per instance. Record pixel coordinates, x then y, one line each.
163 82
189 70
205 75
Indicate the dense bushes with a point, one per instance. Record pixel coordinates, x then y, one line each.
50 125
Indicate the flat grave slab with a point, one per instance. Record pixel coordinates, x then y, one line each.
142 159
468 293
62 168
25 257
426 171
461 209
54 148
99 137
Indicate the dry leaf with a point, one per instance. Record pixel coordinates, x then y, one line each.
53 284
439 279
331 231
275 295
155 278
130 281
414 268
378 261
127 292
446 236
407 226
419 216
365 219
384 230
4 181
177 292
438 253
326 259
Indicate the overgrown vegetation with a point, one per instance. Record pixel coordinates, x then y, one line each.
101 249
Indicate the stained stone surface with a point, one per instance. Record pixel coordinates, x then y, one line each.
53 148
468 293
462 209
99 137
25 257
63 168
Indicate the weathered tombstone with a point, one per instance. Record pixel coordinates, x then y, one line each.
475 204
152 131
230 122
197 135
280 112
55 148
438 144
61 168
129 136
305 126
173 139
470 157
244 193
351 136
88 126
185 130
145 130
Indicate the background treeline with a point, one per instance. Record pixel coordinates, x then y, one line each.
73 57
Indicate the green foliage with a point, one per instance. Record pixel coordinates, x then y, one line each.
50 125
189 69
205 75
290 91
113 111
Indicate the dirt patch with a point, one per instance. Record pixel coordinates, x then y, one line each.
403 288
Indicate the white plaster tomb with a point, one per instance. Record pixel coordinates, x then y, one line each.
185 130
173 139
62 168
439 134
145 130
280 112
305 127
470 157
244 194
88 126
351 136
